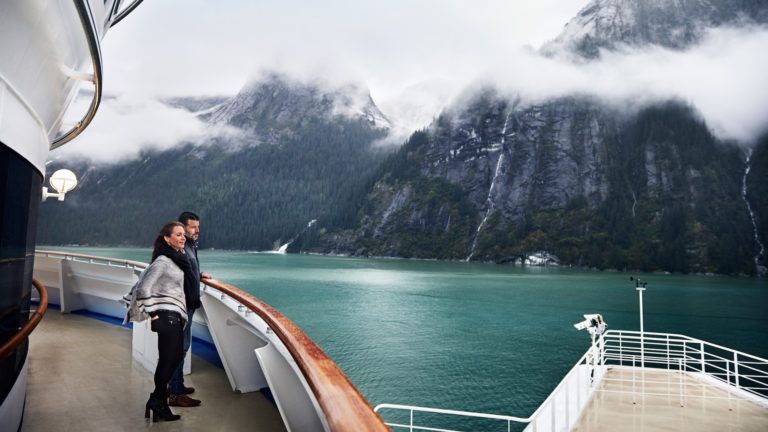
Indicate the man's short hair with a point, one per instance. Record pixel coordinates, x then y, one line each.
187 216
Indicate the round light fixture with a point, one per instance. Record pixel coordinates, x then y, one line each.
63 181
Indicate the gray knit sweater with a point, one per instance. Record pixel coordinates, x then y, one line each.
160 287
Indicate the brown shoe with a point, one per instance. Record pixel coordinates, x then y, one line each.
187 390
183 401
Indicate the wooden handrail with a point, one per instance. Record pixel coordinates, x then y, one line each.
345 409
11 344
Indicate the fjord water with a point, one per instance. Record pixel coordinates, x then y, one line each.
477 337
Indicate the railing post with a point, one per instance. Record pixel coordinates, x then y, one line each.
578 390
621 350
634 395
736 369
552 412
702 357
680 368
410 429
567 407
669 360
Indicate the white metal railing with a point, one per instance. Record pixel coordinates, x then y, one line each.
739 373
736 370
559 411
136 266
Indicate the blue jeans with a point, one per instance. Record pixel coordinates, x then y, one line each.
176 385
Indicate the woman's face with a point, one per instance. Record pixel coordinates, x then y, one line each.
176 239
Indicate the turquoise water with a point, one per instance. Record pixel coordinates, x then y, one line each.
477 337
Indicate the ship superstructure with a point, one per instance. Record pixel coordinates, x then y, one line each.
47 50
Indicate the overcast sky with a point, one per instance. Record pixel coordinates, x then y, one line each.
414 56
206 47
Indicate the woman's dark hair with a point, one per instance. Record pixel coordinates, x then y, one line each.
165 231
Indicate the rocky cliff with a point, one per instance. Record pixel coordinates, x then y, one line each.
677 24
499 178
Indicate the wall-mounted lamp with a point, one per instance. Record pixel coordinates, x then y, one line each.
62 181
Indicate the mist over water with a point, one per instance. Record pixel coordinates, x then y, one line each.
476 337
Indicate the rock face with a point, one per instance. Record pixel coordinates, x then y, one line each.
499 180
677 24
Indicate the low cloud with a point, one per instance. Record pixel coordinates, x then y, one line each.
412 78
125 125
723 77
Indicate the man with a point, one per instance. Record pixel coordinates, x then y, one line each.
179 394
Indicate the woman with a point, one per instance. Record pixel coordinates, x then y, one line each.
159 296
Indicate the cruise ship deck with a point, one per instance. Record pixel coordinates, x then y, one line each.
82 375
660 400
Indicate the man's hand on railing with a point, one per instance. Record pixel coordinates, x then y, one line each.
205 276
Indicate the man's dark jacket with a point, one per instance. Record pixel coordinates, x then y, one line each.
193 296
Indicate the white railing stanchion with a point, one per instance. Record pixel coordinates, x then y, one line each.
680 368
567 408
634 395
621 351
736 369
728 376
701 346
553 424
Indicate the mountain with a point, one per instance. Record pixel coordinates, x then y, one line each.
303 152
196 104
285 107
499 179
676 24
573 179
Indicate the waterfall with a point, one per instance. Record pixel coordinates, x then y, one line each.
761 270
489 199
284 248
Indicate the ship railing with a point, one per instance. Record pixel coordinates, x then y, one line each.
25 330
256 344
735 371
136 266
559 411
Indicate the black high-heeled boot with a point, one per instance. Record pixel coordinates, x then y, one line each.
159 408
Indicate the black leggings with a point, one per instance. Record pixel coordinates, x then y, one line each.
170 339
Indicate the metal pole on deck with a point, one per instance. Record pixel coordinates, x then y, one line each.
640 287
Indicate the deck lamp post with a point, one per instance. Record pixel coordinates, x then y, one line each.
640 287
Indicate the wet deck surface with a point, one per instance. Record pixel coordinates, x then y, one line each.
82 377
705 407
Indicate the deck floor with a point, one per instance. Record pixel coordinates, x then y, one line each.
82 378
706 407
